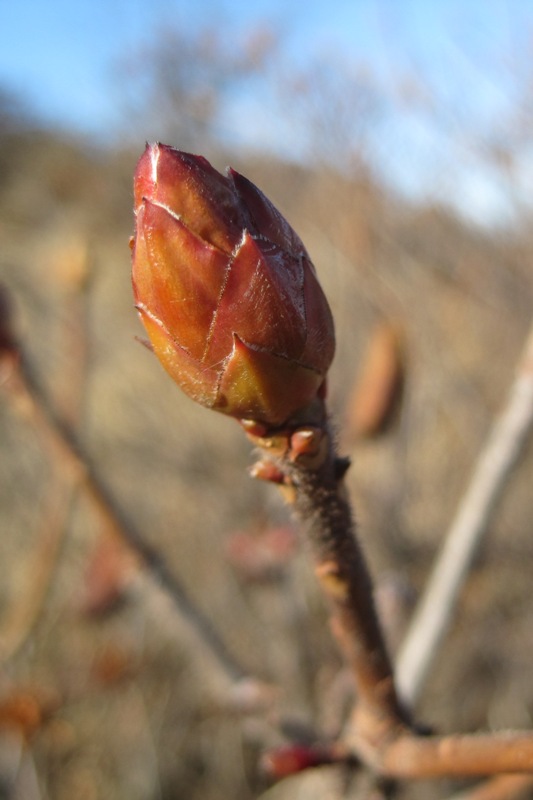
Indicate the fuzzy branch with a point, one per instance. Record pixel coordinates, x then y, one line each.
379 734
321 503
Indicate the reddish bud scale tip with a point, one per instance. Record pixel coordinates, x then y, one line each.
254 428
226 290
264 470
306 441
290 759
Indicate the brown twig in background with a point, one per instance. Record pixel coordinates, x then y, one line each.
73 267
22 389
414 757
492 470
377 392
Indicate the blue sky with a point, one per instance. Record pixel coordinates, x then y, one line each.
61 55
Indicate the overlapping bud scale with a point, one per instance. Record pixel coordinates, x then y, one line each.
226 290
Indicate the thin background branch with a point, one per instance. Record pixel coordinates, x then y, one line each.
500 454
73 267
20 386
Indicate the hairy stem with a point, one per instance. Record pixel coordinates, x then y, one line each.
321 504
303 459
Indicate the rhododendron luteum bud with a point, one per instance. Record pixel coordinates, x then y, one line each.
226 290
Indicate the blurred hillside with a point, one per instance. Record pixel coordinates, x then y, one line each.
140 709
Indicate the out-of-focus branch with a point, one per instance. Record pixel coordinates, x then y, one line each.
493 469
21 388
409 756
74 273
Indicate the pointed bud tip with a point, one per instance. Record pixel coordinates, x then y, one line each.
260 348
145 176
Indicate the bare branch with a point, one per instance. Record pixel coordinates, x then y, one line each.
413 757
493 469
17 378
303 460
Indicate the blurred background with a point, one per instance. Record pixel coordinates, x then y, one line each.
396 138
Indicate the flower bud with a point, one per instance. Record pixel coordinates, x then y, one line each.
226 290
